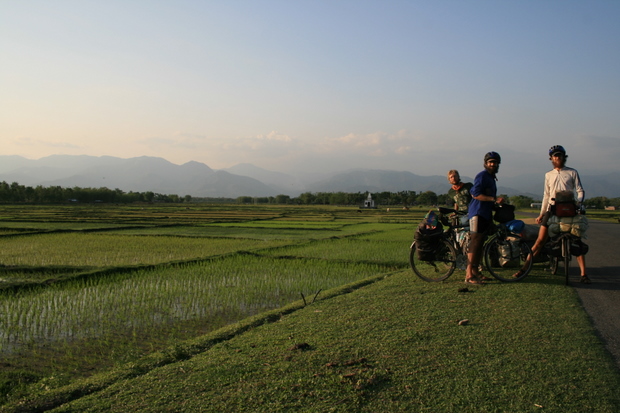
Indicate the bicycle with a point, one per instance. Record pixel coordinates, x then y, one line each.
506 255
450 252
560 249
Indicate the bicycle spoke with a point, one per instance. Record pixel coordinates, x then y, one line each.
439 268
506 259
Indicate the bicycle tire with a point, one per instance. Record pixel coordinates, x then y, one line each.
566 256
438 270
505 271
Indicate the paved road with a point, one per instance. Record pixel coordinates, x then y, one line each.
601 299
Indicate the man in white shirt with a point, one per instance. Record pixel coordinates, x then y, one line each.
560 178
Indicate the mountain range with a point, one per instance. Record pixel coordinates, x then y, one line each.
142 174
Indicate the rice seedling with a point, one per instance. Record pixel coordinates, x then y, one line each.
349 249
97 320
395 233
239 285
235 232
275 224
103 250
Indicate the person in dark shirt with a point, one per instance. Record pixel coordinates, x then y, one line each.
460 192
484 196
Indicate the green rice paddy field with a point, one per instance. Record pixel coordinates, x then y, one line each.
94 296
85 288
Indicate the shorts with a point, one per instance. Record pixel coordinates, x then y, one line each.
479 224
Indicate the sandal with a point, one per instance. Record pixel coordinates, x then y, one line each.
518 274
585 280
473 281
483 278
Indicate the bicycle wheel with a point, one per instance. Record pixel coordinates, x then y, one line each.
506 259
566 256
440 268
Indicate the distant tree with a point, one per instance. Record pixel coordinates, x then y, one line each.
521 201
283 199
307 198
409 198
244 200
444 199
427 198
599 202
384 198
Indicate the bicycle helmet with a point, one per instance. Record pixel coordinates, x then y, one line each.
557 149
492 155
431 219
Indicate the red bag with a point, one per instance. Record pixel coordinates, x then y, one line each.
565 209
564 204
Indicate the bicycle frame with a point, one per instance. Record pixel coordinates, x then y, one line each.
451 218
506 255
565 239
449 251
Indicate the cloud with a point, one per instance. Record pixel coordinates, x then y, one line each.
417 152
270 145
29 142
377 144
178 140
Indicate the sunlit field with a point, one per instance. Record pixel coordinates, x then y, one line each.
82 289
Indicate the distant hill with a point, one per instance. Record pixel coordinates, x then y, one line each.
368 180
280 182
363 180
158 175
139 174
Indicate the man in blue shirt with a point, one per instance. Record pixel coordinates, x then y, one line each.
484 196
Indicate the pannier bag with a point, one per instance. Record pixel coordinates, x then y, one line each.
462 237
565 209
509 252
516 226
504 213
564 204
530 232
578 247
554 248
577 225
428 237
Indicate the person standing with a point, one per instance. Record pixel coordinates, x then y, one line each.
484 196
560 178
460 192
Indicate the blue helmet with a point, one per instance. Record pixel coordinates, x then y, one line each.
492 155
557 149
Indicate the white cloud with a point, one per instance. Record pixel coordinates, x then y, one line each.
38 143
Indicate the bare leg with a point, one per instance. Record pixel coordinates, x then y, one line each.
581 260
543 234
474 254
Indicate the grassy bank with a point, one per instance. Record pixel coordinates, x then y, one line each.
393 345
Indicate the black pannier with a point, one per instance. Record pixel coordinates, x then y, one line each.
578 247
428 237
504 213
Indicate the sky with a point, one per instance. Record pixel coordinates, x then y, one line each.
314 86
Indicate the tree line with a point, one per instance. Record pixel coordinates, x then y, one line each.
16 193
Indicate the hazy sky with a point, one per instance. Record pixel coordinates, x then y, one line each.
422 86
